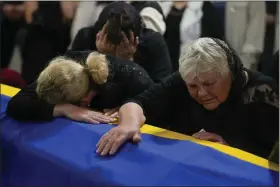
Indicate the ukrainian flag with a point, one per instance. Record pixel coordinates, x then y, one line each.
62 152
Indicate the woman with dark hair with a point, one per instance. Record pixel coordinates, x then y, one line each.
212 97
70 84
146 47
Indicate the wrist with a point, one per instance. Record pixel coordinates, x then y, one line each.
59 110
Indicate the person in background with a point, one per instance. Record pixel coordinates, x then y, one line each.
12 20
212 91
11 78
88 12
47 34
67 88
271 36
128 38
244 27
187 21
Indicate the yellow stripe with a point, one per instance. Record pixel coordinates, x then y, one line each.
148 129
8 90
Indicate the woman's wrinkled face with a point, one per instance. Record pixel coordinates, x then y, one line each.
209 89
85 101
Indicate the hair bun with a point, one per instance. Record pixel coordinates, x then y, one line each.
97 66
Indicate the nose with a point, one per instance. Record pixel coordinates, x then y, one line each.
202 92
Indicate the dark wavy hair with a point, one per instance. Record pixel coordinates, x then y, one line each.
121 17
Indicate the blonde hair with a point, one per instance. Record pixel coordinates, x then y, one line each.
202 56
63 81
97 66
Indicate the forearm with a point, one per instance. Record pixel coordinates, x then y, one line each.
26 109
131 114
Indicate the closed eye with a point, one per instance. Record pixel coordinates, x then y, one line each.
192 86
209 83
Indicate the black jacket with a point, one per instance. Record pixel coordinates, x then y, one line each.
251 125
126 79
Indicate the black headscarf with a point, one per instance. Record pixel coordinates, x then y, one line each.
238 72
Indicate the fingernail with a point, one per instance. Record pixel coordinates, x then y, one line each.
111 152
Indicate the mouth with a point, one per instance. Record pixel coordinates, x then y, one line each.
206 101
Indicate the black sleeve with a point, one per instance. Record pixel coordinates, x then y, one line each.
135 83
160 59
26 105
211 24
158 101
264 126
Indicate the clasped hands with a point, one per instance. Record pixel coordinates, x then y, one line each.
124 50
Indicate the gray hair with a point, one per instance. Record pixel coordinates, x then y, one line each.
202 56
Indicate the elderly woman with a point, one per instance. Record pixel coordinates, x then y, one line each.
212 98
67 88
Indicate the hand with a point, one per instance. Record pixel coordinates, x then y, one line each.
127 48
112 140
82 114
113 113
102 43
202 135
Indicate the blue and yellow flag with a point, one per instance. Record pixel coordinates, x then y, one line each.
62 152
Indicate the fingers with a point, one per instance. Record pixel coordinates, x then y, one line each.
91 121
107 145
208 136
104 28
102 33
102 118
102 142
111 111
131 37
125 40
117 143
111 141
115 115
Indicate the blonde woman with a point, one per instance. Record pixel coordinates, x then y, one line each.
67 88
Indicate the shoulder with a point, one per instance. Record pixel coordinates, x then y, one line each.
148 35
125 67
86 32
151 40
262 89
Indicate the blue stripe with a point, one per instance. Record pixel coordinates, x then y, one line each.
62 152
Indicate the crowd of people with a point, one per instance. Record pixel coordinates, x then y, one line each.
206 69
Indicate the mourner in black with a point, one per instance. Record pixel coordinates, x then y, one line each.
150 52
212 98
104 83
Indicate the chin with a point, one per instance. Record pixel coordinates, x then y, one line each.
211 106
